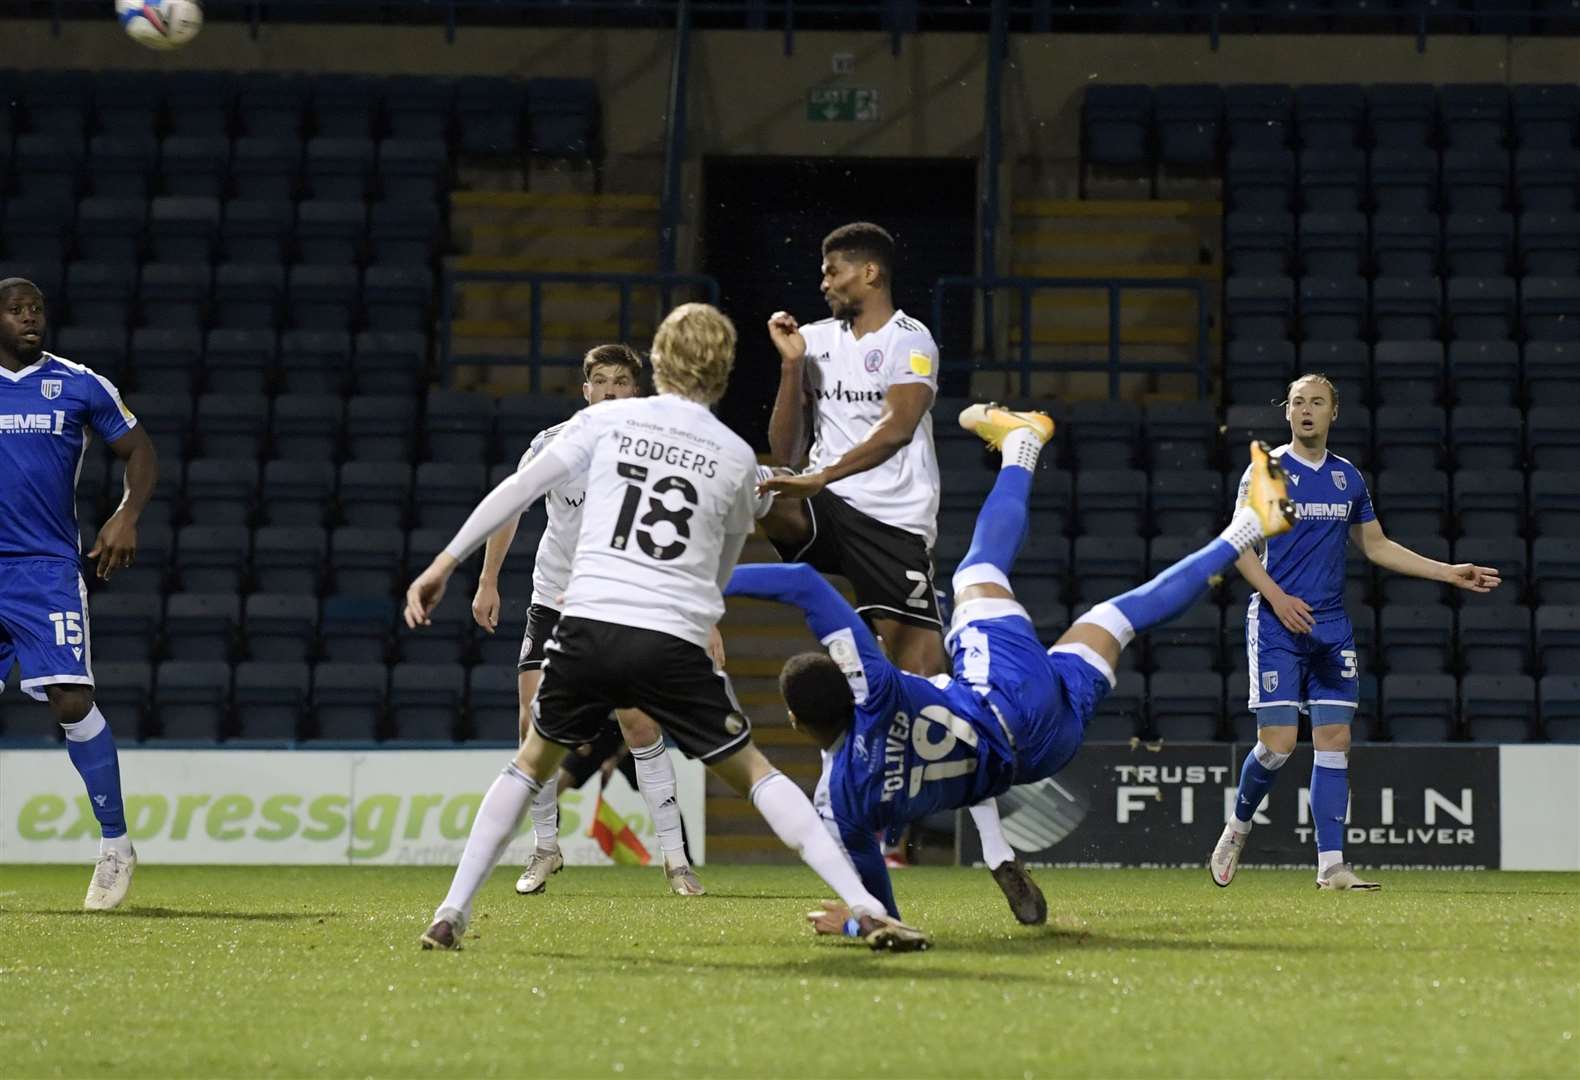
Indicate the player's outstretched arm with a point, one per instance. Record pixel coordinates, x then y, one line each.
903 408
826 612
867 857
116 545
485 601
787 428
1392 555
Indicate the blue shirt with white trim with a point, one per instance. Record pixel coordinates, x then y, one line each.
48 413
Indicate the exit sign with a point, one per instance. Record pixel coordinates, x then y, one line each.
842 105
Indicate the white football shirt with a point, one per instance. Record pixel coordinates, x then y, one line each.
551 569
847 379
667 482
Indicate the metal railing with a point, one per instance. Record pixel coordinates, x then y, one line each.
535 358
1115 364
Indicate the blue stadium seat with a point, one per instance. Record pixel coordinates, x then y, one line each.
563 118
1545 114
193 699
56 100
418 107
457 424
1557 638
168 421
1420 708
348 700
280 627
381 427
199 103
258 230
339 168
1182 434
1499 708
1333 244
1042 595
1410 437
1189 643
1546 180
519 417
315 361
1116 124
1330 115
1242 423
125 626
1332 308
444 494
1495 640
1508 556
1490 503
288 559
297 492
1551 441
355 628
306 428
1555 502
367 561
1259 308
1476 180
110 228
1478 244
1259 115
1484 372
1407 309
446 639
1106 566
1475 114
404 232
1555 570
1402 589
221 491
1111 502
1419 638
323 298
398 298
232 425
101 293
123 165
493 701
1122 713
1052 496
1488 437
1411 503
242 361
272 105
201 626
1260 180
389 362
1332 179
330 231
39 229
212 558
1186 706
1408 372
1259 241
1189 119
1406 244
175 295
413 171
374 494
194 166
271 700
1256 371
1187 503
1551 369
247 296
102 349
345 106
1550 308
48 165
488 116
1560 707
1482 308
425 701
126 103
123 690
1404 179
1549 244
265 168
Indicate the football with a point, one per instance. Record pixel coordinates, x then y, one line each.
160 24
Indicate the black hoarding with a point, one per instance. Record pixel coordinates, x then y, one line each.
1121 805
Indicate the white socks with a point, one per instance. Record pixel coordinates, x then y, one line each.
655 775
546 816
496 823
87 728
1326 859
788 811
1269 759
121 845
1244 531
995 849
1021 449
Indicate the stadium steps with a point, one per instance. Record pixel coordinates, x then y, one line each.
547 232
1171 239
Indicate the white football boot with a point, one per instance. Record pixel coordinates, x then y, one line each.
1226 856
112 879
1339 878
535 876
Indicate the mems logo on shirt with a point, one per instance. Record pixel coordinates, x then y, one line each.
37 423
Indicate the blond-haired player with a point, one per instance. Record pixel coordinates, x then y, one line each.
671 500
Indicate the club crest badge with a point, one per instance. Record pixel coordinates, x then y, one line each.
50 388
873 361
1269 681
1338 480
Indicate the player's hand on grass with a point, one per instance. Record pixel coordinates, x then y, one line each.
785 333
831 919
1293 612
426 592
1473 578
794 485
116 545
485 606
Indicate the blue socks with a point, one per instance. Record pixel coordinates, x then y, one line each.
1330 799
1175 589
91 748
1002 522
1256 779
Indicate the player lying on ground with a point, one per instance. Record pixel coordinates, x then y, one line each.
1299 640
609 373
898 747
671 498
50 409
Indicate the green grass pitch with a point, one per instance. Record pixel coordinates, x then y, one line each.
288 972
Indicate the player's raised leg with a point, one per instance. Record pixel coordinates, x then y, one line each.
91 748
655 778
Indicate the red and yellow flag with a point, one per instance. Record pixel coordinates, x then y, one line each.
615 837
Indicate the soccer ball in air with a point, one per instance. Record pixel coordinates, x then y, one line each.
160 24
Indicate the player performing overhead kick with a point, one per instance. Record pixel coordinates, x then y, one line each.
670 501
48 408
609 373
853 400
1298 638
897 746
